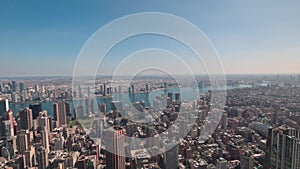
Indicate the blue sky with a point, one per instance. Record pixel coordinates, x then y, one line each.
45 37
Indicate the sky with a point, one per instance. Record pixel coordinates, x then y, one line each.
46 37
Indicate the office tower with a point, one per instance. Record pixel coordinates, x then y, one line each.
60 115
108 91
247 160
4 106
68 109
21 86
22 142
177 96
221 163
165 85
116 105
36 88
147 87
171 155
170 96
79 91
13 86
14 97
101 88
45 121
26 119
78 112
11 122
5 129
115 148
45 139
275 118
43 88
102 108
200 84
224 121
120 89
36 109
19 161
89 91
87 107
42 157
30 157
104 90
283 148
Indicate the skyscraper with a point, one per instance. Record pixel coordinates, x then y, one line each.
45 139
115 148
13 86
22 142
102 107
283 148
60 114
26 119
21 87
42 157
5 129
4 106
68 109
11 122
36 109
221 163
171 155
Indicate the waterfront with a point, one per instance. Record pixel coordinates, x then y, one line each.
125 98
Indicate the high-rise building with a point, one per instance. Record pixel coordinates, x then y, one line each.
177 96
221 163
45 121
26 121
45 139
10 118
247 160
283 148
42 156
36 109
132 88
170 96
116 105
171 155
79 112
5 129
36 88
30 157
60 114
147 87
22 142
102 108
224 121
4 106
68 109
13 86
21 87
104 90
115 148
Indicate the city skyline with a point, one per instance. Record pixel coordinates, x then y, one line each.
45 38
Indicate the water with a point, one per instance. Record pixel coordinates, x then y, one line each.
187 93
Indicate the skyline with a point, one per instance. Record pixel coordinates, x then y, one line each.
42 38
